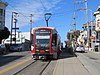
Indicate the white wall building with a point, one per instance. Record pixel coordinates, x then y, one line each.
97 15
21 38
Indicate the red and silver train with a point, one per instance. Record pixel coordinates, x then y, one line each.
46 43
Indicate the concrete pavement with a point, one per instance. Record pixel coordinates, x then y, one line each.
69 65
96 53
91 61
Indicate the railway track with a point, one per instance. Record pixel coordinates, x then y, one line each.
44 67
35 68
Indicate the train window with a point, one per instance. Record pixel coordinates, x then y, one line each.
32 40
54 40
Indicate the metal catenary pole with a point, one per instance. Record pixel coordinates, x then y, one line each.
31 15
15 21
11 29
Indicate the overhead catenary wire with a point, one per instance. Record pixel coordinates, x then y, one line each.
40 15
43 5
26 17
17 10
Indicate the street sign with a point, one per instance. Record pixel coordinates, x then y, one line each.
94 33
92 37
15 28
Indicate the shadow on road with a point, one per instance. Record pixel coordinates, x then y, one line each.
66 54
8 59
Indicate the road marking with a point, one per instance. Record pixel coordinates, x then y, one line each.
14 66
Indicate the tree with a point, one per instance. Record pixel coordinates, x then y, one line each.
77 33
72 36
4 34
68 35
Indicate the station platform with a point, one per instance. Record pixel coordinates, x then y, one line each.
69 64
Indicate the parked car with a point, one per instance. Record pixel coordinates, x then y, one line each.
16 47
96 48
80 48
3 49
86 48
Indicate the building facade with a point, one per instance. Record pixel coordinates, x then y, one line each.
2 14
21 38
97 15
91 32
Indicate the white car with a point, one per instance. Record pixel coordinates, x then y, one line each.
80 48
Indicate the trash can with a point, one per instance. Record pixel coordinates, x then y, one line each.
96 48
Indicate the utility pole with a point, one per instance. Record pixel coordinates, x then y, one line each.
31 26
86 4
11 29
86 8
75 26
15 21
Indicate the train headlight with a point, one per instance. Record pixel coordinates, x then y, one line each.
32 47
47 50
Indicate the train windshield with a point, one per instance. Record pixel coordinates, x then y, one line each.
43 38
43 41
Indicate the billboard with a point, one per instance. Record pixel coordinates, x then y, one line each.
94 33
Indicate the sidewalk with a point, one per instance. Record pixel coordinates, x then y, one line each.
97 53
94 54
69 65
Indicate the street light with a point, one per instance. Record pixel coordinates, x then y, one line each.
13 20
47 17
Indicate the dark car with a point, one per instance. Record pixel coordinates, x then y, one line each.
96 48
16 47
3 49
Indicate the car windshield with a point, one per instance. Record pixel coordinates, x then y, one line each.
16 45
81 45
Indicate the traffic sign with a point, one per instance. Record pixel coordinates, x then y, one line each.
94 33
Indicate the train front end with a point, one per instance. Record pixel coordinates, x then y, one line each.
41 44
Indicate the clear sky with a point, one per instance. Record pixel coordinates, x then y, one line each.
62 14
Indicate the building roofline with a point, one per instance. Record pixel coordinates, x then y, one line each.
98 8
96 13
89 23
5 3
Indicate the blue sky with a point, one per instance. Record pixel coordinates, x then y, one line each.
62 14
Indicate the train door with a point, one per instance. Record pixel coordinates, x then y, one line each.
54 46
